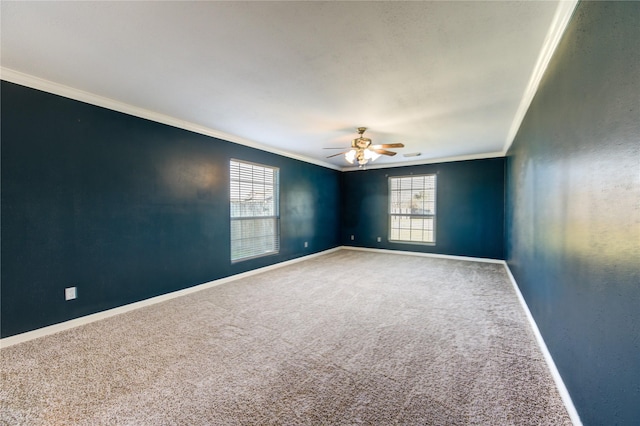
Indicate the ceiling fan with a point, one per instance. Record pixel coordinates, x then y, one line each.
362 151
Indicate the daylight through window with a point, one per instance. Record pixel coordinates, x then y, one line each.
254 210
412 209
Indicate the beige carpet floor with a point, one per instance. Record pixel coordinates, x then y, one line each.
345 338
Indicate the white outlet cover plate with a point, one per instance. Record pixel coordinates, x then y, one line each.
70 293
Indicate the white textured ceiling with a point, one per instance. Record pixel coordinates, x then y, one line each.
444 78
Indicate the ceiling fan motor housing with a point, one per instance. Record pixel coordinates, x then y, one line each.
361 143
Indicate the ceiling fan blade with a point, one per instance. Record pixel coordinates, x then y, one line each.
340 153
388 145
384 152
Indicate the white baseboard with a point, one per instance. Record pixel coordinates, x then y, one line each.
422 254
564 393
555 374
56 328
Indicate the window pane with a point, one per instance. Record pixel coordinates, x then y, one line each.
412 208
253 190
404 222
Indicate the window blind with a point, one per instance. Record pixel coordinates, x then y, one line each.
412 208
254 205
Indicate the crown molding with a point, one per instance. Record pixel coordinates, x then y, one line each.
370 166
561 19
33 82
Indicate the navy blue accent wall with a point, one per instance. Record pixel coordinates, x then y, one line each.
573 211
126 209
469 208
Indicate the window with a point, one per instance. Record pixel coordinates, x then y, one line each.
254 210
412 209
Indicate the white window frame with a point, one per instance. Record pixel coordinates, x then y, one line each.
418 220
254 210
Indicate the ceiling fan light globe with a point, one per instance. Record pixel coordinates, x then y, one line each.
350 156
371 155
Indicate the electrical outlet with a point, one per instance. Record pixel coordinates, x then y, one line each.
70 293
306 244
379 239
352 238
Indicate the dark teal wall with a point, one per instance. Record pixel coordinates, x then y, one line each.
573 211
126 209
469 208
